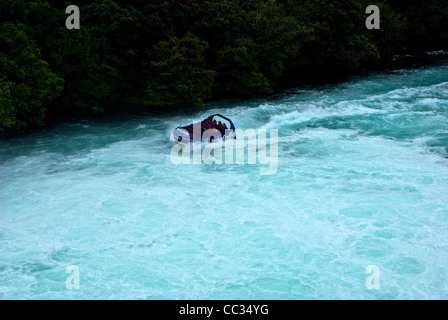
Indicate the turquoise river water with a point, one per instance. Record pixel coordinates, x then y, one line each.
362 181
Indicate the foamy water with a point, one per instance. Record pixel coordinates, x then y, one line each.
362 180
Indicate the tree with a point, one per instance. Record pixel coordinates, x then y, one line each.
238 71
7 111
184 52
27 83
177 74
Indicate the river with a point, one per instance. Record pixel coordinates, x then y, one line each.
357 209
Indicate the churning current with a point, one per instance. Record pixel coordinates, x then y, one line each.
358 208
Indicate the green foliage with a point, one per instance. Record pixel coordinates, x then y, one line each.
238 70
7 111
427 24
28 84
184 52
179 76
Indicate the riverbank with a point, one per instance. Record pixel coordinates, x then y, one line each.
122 112
179 53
